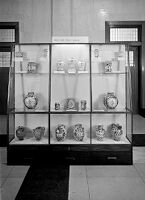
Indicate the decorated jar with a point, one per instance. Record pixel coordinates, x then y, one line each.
70 104
20 132
100 132
78 132
32 67
83 104
60 132
81 66
108 66
30 100
72 65
38 132
110 100
60 65
116 132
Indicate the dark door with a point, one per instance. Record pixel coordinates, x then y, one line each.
133 57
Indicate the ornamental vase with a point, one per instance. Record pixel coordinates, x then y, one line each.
78 132
60 132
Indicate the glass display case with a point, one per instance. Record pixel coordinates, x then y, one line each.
72 98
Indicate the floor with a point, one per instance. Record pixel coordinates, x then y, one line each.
86 182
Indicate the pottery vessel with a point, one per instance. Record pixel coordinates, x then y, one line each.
57 106
110 100
108 66
100 132
20 132
81 66
60 132
72 65
83 104
38 132
78 132
60 65
30 100
116 132
70 104
32 67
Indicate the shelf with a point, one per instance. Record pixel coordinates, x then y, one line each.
70 112
70 73
108 73
111 111
70 141
30 73
20 111
29 141
123 140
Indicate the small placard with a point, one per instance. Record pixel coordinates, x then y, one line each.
70 39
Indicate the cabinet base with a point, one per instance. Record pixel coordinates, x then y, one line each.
72 155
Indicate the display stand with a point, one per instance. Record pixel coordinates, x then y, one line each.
70 103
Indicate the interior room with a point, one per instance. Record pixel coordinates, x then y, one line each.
72 99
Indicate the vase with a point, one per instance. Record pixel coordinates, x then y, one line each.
83 104
38 132
60 65
60 132
100 132
108 66
116 132
110 100
78 132
32 67
20 132
72 65
30 100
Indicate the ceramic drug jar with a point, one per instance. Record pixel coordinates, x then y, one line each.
30 100
20 132
38 132
110 100
100 132
116 132
78 132
32 67
60 132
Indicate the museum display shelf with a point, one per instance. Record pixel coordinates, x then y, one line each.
71 103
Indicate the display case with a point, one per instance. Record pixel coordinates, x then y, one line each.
71 103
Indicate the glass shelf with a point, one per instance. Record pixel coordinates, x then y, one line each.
69 73
26 111
30 73
109 73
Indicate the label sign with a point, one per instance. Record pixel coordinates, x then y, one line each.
70 39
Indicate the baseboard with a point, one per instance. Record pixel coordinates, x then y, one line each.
138 140
3 140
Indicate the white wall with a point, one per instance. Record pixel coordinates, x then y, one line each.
40 19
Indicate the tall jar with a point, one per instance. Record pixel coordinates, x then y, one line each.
78 132
100 132
60 132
